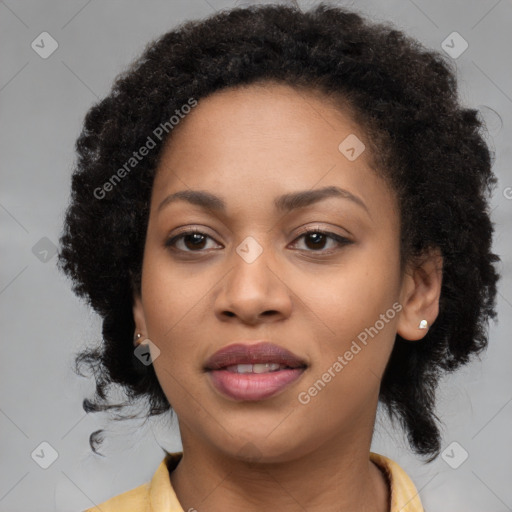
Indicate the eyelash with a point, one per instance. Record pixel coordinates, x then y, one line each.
341 241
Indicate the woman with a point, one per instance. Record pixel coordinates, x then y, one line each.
281 217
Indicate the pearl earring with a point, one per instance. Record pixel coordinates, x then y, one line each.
423 325
136 338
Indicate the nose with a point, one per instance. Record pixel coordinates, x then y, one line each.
253 291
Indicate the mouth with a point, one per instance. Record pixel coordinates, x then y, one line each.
243 372
256 368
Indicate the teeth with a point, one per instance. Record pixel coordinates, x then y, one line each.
255 368
264 368
244 368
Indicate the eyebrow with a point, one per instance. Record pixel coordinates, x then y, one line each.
284 203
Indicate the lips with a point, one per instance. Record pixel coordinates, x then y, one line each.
253 372
259 353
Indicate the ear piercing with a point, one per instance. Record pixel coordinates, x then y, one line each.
423 325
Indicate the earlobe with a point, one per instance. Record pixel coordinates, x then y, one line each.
421 291
139 319
423 324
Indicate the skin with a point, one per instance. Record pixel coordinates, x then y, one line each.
248 146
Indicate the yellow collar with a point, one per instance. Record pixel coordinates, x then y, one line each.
159 496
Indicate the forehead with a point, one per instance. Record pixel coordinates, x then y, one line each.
266 139
267 114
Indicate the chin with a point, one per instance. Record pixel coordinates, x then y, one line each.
260 447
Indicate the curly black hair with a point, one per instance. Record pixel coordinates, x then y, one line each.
422 140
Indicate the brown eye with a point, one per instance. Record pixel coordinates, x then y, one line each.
196 241
191 241
315 240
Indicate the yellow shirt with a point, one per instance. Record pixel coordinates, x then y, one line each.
159 496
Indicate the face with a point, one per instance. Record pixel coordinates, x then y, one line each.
317 275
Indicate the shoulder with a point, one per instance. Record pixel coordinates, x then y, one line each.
154 496
404 495
134 500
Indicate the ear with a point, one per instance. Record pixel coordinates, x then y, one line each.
139 318
421 289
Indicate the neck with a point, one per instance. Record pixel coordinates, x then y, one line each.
333 477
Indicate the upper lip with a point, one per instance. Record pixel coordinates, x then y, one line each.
262 352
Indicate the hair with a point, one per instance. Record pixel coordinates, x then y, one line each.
427 146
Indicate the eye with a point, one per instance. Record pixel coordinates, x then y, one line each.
317 239
194 239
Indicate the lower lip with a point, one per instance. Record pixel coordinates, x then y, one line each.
253 386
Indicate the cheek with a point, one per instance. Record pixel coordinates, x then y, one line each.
167 304
171 291
354 294
352 305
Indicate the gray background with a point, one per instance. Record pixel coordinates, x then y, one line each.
43 102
